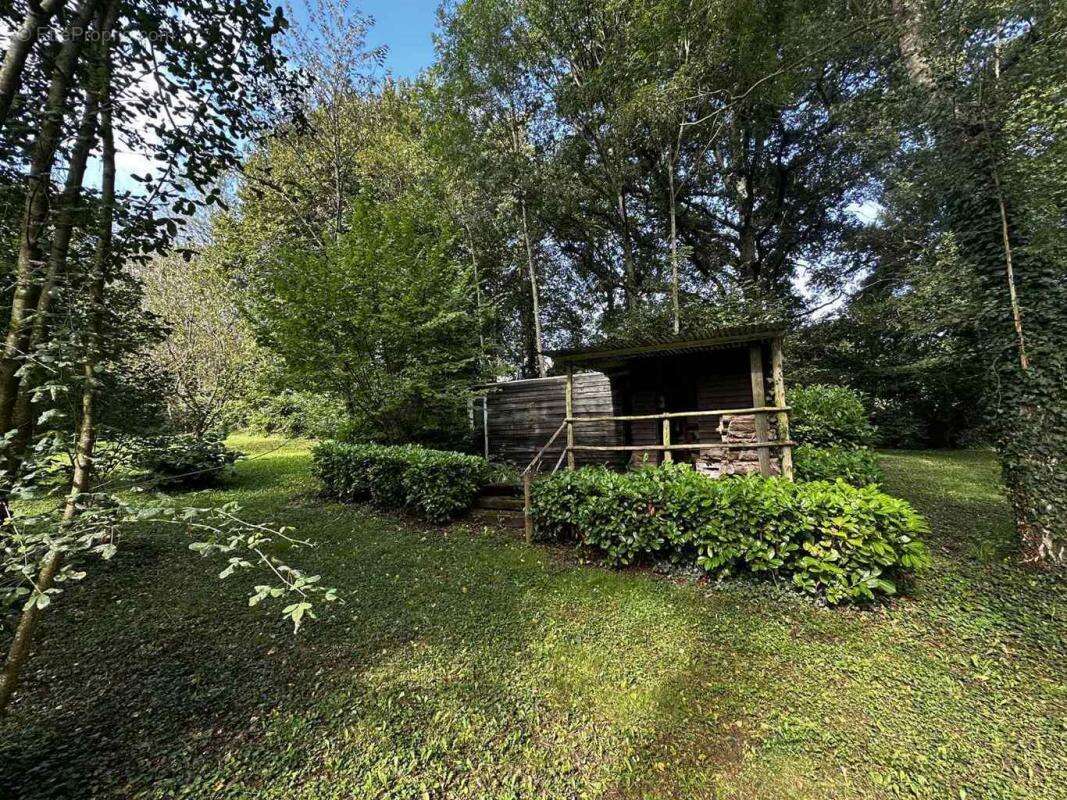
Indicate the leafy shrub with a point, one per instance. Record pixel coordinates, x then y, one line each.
855 466
292 413
184 461
434 484
828 416
831 539
627 515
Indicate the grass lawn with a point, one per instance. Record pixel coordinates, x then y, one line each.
465 663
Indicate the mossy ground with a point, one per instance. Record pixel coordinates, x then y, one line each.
465 663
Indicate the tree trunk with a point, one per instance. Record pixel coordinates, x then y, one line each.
477 296
81 482
57 265
674 247
542 371
910 42
20 45
630 293
35 216
19 651
746 249
1009 271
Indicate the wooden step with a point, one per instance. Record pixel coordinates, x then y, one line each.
501 519
495 502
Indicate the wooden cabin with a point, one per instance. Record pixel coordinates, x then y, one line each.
717 402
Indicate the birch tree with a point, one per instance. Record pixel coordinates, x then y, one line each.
214 67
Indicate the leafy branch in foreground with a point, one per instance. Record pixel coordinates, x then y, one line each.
27 541
230 535
75 305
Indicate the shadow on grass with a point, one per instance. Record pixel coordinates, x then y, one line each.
466 664
454 653
152 675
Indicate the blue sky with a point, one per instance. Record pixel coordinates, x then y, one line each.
406 28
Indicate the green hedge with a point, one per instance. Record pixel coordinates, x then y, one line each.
831 539
434 484
855 466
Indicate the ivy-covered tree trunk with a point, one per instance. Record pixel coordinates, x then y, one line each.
1022 272
1032 456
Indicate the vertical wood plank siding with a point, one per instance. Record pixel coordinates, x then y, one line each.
523 415
723 382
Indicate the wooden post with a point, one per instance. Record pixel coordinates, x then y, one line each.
527 505
759 398
667 457
485 424
568 403
778 376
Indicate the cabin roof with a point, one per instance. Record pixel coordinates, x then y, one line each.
644 347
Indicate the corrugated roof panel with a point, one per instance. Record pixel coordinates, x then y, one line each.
712 339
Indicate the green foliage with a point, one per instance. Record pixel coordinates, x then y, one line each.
296 414
106 520
208 351
134 398
825 416
832 540
434 484
907 340
184 461
986 178
576 117
74 327
856 466
384 321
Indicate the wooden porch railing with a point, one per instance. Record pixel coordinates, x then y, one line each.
531 470
667 446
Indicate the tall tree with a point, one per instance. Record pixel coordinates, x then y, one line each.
489 85
208 354
976 70
685 148
213 66
383 320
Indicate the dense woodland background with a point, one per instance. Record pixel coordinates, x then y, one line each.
884 176
313 247
605 173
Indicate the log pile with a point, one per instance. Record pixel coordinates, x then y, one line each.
741 429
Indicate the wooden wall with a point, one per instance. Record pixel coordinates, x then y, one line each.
699 382
725 382
523 415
